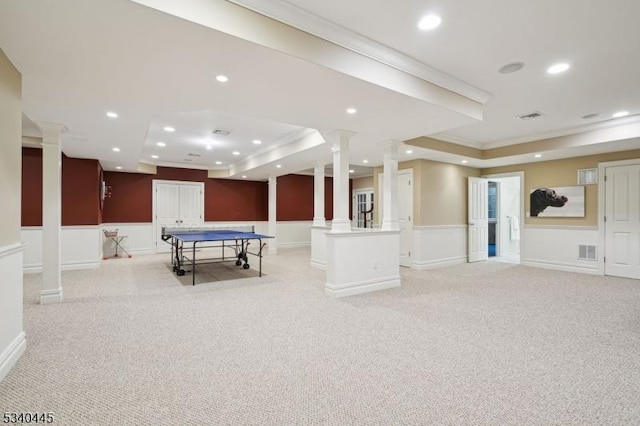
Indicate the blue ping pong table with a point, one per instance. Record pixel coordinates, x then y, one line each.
185 241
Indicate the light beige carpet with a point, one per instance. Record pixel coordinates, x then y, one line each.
480 344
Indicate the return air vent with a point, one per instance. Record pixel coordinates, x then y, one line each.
587 176
187 159
586 252
221 132
191 154
530 116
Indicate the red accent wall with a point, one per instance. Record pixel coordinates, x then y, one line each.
80 190
31 187
295 198
225 199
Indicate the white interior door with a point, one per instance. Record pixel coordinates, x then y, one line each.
405 212
405 216
622 221
478 226
191 212
176 204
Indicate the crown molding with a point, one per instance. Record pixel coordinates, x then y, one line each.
287 13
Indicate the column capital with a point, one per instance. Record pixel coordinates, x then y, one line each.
391 143
51 132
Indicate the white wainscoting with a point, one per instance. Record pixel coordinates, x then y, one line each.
12 336
80 246
294 233
556 247
139 238
437 246
319 246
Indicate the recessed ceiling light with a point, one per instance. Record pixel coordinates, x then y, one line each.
365 161
538 155
429 22
162 144
620 114
512 67
155 157
236 153
116 149
464 161
257 141
244 176
222 78
218 162
408 151
279 166
112 114
209 147
352 171
119 167
169 129
351 110
558 68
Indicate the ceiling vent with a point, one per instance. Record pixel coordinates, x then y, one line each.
221 132
191 154
530 116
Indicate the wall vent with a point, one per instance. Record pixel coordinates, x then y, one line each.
587 252
587 176
221 132
530 116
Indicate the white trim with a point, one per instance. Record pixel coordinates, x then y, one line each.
438 263
311 23
571 228
11 249
430 227
51 296
318 264
361 233
12 353
360 287
561 266
294 244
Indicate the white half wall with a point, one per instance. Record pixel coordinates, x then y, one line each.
362 262
436 246
81 247
556 247
319 246
294 233
12 336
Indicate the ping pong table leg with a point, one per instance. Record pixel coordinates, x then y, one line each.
193 265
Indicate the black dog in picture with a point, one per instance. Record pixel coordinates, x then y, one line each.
542 198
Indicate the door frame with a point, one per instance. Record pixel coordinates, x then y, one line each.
602 168
157 182
523 212
354 203
379 209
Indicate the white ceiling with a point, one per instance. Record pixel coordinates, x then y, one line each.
80 59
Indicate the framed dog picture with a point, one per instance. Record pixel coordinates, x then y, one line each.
561 201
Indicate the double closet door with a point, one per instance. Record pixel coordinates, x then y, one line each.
176 204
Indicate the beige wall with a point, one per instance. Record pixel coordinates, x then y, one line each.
563 173
362 183
439 192
10 147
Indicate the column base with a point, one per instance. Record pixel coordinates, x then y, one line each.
390 225
340 225
319 222
51 296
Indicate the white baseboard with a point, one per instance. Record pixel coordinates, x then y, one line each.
438 263
318 264
361 287
294 244
65 266
12 354
561 266
51 296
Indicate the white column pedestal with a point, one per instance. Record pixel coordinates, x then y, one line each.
51 212
362 261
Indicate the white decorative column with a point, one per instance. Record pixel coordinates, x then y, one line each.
319 227
390 187
341 196
318 195
51 291
272 243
